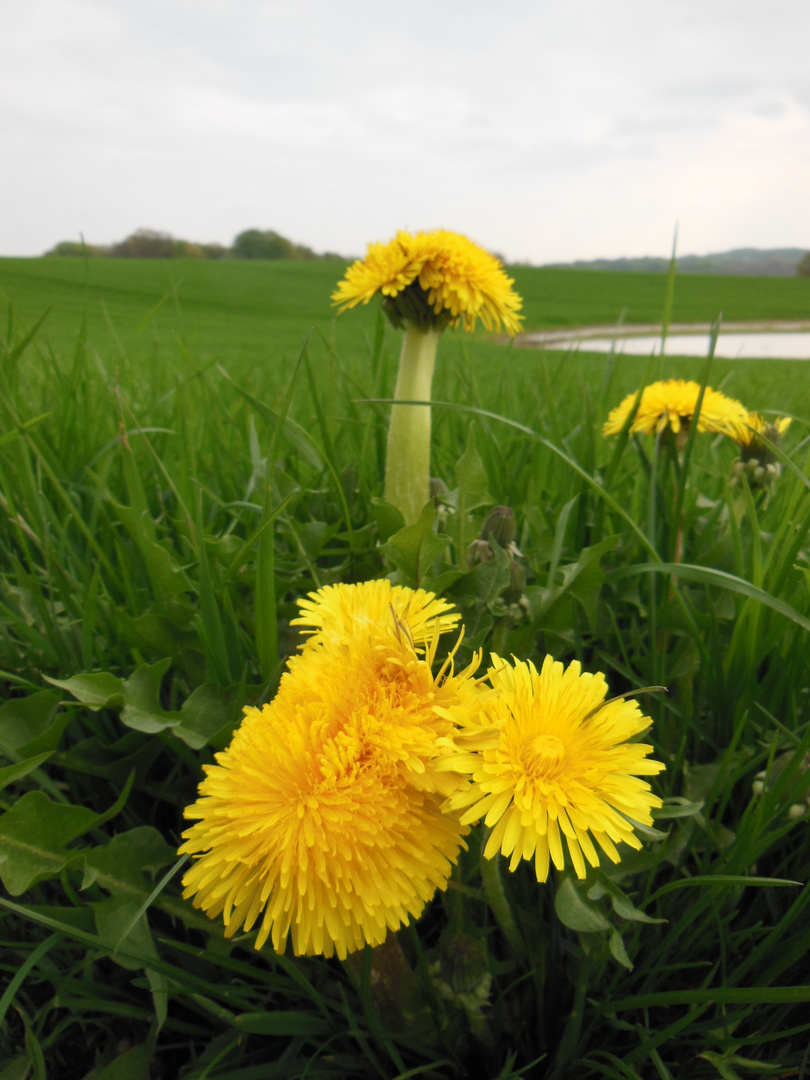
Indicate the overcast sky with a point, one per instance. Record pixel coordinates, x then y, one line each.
547 130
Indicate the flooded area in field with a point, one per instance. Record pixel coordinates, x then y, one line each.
735 342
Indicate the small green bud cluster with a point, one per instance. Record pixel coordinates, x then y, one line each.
500 525
462 977
757 461
757 474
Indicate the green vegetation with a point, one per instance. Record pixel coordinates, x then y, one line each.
150 244
141 425
756 262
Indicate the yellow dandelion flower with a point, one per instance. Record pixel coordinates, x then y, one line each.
671 404
336 613
323 819
772 430
550 761
443 273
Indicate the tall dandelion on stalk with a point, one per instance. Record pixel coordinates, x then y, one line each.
428 281
553 764
323 821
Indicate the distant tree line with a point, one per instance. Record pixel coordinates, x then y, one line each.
149 244
803 269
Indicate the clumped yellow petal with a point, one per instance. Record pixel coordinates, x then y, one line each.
323 821
671 404
457 280
563 772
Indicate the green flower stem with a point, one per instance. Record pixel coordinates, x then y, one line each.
407 465
498 902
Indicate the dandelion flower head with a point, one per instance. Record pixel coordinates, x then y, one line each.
551 762
323 819
338 613
670 404
433 279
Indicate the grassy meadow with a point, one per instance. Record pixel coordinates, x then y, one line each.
173 432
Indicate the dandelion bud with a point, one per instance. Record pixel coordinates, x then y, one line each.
500 525
463 963
517 583
479 551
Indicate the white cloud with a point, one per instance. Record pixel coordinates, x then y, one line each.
567 130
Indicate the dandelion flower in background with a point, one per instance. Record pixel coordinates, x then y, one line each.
551 762
336 613
773 431
323 819
671 404
427 281
757 460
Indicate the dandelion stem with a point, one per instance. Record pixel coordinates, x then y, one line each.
499 904
407 466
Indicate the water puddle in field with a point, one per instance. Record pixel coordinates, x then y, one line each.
783 345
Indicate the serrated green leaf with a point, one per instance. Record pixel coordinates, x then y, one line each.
26 721
204 712
389 519
16 1069
119 865
94 691
622 904
413 549
141 694
486 581
14 772
473 486
618 951
576 912
472 492
33 835
677 808
133 1065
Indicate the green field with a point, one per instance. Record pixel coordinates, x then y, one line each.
160 519
171 317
